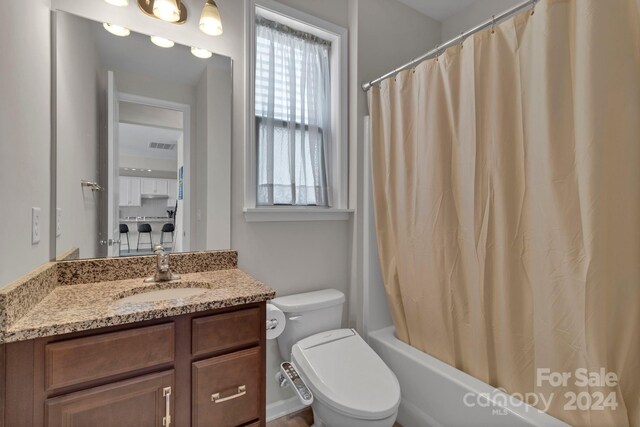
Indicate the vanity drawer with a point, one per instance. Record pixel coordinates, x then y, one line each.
227 389
141 402
86 359
226 331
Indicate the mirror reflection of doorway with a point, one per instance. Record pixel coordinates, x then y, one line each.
152 137
115 96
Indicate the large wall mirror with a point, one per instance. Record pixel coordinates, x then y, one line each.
139 121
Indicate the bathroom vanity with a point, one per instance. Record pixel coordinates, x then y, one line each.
87 354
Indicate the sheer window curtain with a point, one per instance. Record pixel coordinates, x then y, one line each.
293 110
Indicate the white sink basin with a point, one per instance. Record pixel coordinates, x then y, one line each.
163 295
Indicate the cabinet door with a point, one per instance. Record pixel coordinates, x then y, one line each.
134 192
162 188
145 401
148 185
124 191
227 389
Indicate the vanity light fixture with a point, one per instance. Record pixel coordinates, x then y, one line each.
149 170
119 3
210 21
162 42
167 10
173 11
116 30
201 53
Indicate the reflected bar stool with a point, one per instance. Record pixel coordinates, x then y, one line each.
167 228
124 229
144 228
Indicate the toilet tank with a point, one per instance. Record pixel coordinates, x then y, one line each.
307 314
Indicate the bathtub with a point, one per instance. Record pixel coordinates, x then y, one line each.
435 394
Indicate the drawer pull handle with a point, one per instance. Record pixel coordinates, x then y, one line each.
242 390
166 420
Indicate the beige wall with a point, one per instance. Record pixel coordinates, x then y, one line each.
472 15
24 134
386 34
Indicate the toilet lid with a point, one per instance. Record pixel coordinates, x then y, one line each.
345 373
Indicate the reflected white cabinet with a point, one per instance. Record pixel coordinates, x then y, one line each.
155 186
130 191
173 192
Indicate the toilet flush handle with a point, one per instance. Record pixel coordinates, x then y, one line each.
294 318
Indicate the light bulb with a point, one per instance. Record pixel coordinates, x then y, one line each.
119 3
167 10
201 53
161 42
210 21
116 30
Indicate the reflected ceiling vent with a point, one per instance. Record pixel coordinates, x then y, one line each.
161 146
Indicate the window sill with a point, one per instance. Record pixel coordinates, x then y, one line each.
287 214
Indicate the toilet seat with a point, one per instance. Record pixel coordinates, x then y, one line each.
347 375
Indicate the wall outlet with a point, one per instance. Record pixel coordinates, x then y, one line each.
58 222
35 226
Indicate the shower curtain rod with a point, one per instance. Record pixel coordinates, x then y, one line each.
440 48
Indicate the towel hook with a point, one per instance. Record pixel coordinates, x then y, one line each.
94 186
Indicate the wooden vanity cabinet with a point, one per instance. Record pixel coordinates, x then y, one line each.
201 369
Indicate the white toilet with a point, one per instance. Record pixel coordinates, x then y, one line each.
352 386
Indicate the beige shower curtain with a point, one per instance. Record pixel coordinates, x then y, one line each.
507 198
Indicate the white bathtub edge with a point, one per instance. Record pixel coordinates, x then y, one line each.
454 383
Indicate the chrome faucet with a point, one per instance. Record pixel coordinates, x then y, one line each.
163 270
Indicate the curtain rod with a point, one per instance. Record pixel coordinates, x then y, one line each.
440 48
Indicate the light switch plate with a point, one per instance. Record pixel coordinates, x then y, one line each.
58 222
35 226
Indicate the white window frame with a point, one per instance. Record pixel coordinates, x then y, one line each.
338 62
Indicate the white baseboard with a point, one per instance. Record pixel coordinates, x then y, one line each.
283 408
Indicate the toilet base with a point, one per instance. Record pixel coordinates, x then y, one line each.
324 416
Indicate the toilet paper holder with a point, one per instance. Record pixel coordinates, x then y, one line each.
272 324
275 322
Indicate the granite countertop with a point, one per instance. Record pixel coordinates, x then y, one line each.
61 298
90 306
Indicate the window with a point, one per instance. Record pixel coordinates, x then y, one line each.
293 116
297 146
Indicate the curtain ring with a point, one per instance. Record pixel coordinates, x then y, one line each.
462 39
437 52
533 7
493 24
